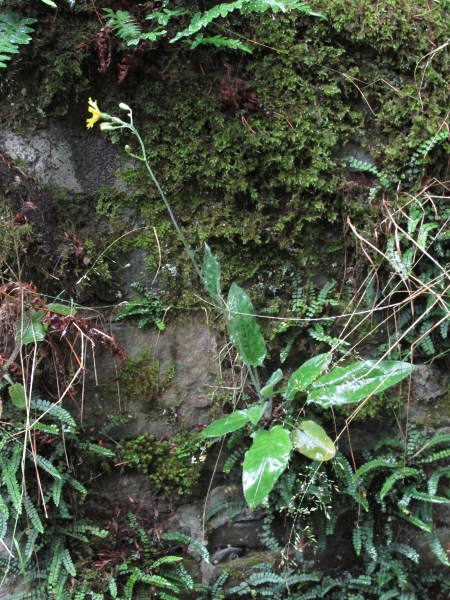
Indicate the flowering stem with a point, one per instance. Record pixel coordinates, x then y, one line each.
166 204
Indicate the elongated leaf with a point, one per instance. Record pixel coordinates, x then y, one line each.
17 394
62 309
306 374
344 385
264 463
311 440
33 330
227 424
400 474
211 272
267 391
256 412
244 330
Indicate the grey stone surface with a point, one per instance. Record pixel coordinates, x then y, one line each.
192 350
74 159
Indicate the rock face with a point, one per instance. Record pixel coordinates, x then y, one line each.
73 159
188 349
170 386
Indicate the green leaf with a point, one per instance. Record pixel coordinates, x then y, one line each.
264 463
13 31
17 393
311 440
227 424
400 474
61 309
267 391
31 330
243 328
256 412
306 374
344 385
211 272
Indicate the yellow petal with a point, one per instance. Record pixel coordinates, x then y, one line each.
94 110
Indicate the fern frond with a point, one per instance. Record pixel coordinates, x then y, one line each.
433 482
14 31
185 540
201 20
216 589
390 481
407 551
68 563
55 565
436 548
377 463
45 464
9 479
53 410
417 522
32 513
3 508
30 545
56 490
219 41
124 25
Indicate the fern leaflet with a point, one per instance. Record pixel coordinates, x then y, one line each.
13 31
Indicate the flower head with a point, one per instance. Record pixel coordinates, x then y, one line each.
96 114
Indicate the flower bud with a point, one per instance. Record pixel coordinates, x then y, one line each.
124 106
106 126
127 149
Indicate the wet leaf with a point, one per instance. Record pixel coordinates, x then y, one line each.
267 391
344 385
211 272
311 440
256 412
61 309
306 374
243 328
227 424
31 330
17 394
264 462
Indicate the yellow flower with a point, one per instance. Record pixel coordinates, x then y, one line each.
96 114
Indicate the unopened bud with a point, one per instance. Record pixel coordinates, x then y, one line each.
124 106
127 149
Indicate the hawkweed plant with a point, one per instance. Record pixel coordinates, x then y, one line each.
110 123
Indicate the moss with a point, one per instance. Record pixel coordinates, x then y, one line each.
173 465
261 192
141 381
239 569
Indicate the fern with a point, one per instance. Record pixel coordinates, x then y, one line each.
220 42
184 539
55 565
433 482
390 481
148 308
130 31
436 547
216 589
44 464
14 31
32 513
9 479
53 411
124 25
